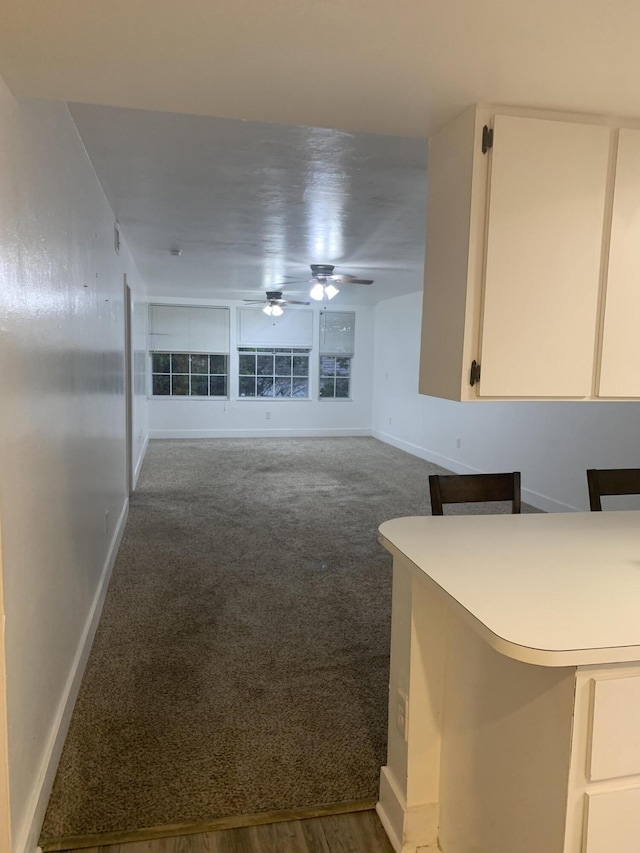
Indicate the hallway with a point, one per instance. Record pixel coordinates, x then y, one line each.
241 662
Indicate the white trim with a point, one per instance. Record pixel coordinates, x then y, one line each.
428 455
28 834
194 399
410 829
547 504
391 808
138 467
5 808
258 433
543 502
386 825
273 399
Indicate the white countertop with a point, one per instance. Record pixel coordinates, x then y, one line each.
550 589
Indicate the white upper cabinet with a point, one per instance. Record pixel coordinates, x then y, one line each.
516 236
544 243
619 373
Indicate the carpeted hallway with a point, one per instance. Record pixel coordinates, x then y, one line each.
241 662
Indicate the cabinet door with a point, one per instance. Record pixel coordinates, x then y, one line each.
613 822
544 243
619 375
615 736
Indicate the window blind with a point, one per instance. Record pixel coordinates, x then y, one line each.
180 328
257 329
337 332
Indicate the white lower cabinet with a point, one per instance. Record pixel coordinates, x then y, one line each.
613 822
603 806
510 747
615 729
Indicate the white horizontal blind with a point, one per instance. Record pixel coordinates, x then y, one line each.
257 329
337 332
180 328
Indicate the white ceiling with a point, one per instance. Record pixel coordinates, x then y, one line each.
249 201
401 68
251 205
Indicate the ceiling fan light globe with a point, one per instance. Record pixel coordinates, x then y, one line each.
268 310
331 291
276 311
317 292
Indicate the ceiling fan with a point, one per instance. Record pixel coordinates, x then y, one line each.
274 302
324 274
324 281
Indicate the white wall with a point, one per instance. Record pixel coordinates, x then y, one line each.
139 320
551 443
193 418
62 429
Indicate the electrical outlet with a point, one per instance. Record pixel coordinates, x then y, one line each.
390 421
268 416
458 443
402 705
106 522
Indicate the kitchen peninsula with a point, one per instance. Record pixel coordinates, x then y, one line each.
514 709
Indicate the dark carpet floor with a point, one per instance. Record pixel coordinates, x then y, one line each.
241 661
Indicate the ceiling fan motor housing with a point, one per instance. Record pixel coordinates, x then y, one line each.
274 295
322 270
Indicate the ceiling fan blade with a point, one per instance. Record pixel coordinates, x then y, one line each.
347 279
255 301
294 302
292 281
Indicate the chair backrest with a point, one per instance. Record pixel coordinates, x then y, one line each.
611 481
472 488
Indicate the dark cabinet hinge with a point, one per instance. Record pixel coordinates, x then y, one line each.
475 373
487 138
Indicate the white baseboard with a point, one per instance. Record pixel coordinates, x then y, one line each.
388 828
391 808
453 465
409 829
138 466
258 433
27 836
543 502
547 504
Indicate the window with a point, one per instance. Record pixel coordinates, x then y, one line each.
337 337
278 372
335 376
188 375
189 349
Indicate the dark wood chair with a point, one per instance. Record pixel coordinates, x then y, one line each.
472 488
611 481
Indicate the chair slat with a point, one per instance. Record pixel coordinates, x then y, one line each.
473 488
611 481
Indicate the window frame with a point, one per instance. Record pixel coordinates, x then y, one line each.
336 340
274 352
171 373
335 377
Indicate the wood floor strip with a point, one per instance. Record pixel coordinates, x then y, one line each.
104 839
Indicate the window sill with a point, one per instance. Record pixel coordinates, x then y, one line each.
273 399
169 398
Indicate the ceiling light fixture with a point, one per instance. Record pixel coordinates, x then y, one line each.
319 291
273 310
